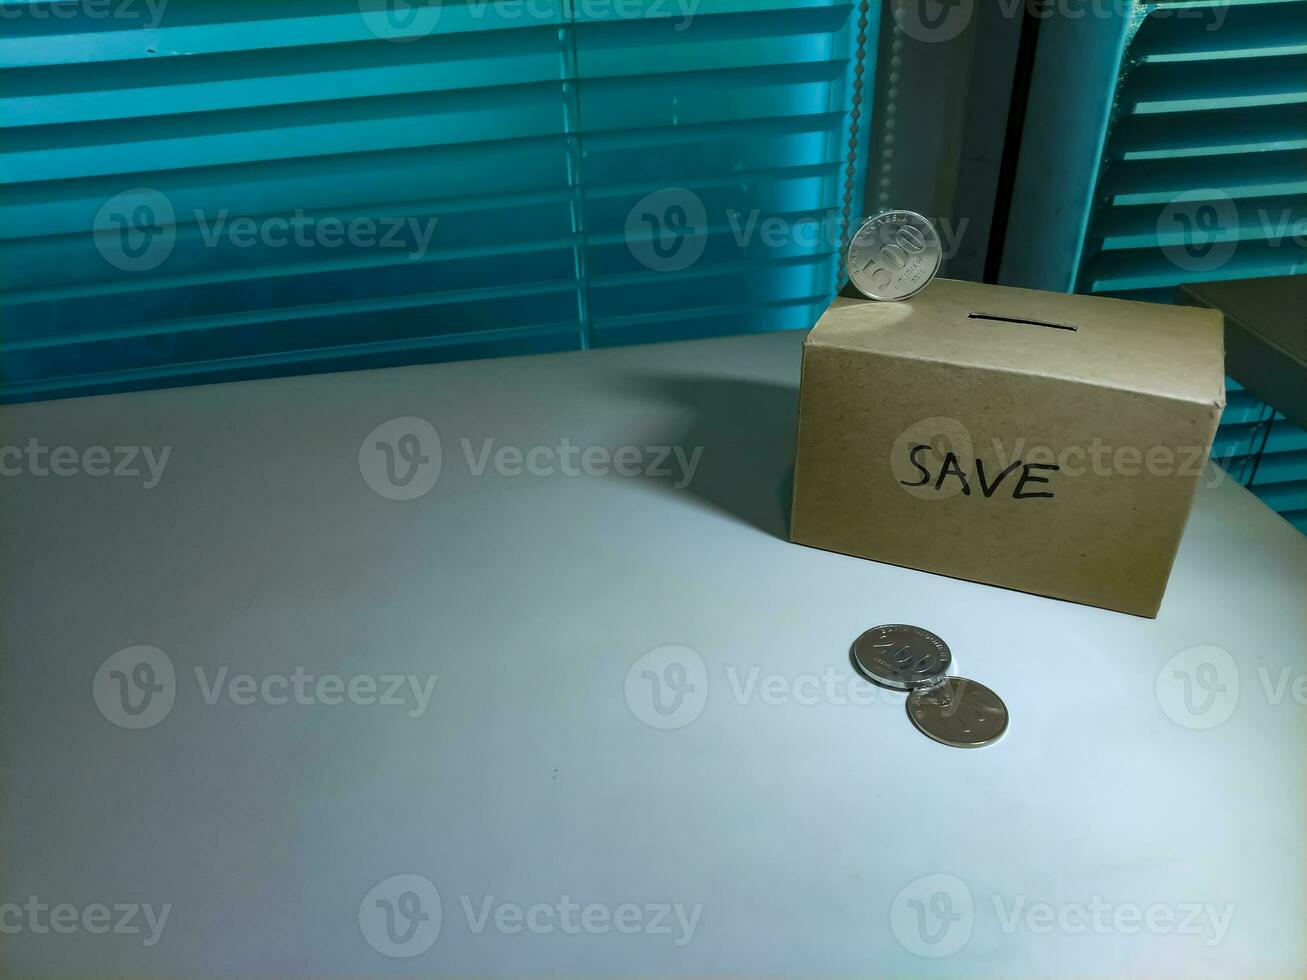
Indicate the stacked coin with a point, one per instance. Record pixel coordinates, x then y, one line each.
894 255
952 710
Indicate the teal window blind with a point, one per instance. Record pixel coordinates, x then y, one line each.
1263 450
209 190
1204 178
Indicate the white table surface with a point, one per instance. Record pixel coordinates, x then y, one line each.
795 809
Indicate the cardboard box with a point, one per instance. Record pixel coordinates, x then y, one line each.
1044 442
1265 343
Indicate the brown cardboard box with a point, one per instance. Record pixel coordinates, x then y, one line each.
1265 343
1041 441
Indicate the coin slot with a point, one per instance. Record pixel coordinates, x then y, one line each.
1017 319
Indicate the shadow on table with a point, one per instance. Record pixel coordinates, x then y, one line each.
746 431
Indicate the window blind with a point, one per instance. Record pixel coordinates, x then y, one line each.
214 190
1204 178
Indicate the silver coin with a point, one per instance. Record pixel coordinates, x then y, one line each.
958 712
894 255
901 656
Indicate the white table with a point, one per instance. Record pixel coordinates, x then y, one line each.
792 802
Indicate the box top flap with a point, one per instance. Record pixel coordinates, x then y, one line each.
1272 308
1172 351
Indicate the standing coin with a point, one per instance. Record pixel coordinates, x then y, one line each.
901 657
894 255
958 712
